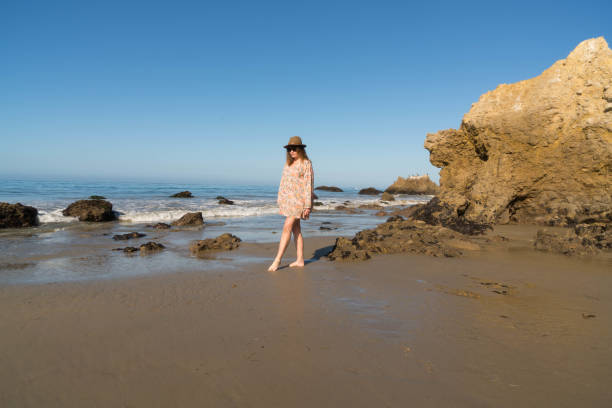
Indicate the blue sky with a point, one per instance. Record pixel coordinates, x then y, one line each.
211 91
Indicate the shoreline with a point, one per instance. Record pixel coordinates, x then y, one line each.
394 330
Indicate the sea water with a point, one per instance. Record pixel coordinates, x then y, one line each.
62 248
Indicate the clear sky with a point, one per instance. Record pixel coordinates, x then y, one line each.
211 91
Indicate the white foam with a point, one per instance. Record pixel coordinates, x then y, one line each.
45 217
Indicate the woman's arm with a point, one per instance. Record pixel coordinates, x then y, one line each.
308 184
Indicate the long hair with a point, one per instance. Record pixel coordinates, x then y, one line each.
301 154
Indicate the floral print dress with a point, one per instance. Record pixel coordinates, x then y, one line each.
295 191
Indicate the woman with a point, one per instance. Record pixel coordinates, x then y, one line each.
294 199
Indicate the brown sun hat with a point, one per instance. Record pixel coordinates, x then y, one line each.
295 141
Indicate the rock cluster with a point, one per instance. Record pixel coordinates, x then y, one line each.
400 235
190 219
160 226
144 249
369 191
17 215
329 188
583 239
130 235
413 185
91 210
182 194
536 151
224 242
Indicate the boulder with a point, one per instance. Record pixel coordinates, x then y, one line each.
317 204
224 242
369 191
582 239
536 151
223 200
150 247
17 215
387 196
130 235
182 194
91 210
413 185
399 235
329 188
190 219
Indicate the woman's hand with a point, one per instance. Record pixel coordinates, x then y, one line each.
306 213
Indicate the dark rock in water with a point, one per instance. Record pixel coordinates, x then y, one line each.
97 197
91 210
436 212
160 225
413 185
224 242
127 236
223 200
127 250
369 191
324 228
17 215
387 196
371 206
400 235
317 204
583 239
190 219
151 247
314 196
329 188
182 194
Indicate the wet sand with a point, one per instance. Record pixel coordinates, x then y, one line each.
503 327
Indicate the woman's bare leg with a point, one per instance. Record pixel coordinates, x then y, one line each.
299 243
284 242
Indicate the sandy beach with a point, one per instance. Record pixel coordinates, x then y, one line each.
501 327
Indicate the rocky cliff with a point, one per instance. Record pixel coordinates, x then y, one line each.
536 151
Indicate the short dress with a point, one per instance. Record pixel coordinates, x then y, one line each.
295 191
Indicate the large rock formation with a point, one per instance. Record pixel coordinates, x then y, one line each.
536 151
91 210
17 215
413 185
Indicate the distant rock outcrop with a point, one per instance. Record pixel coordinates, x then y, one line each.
130 235
330 188
413 185
182 194
190 219
369 191
17 215
536 151
91 210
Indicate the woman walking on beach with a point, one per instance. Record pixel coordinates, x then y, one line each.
294 199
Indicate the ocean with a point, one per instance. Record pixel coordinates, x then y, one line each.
62 248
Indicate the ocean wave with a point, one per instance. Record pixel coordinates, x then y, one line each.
46 217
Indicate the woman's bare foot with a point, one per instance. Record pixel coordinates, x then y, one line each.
274 266
296 263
